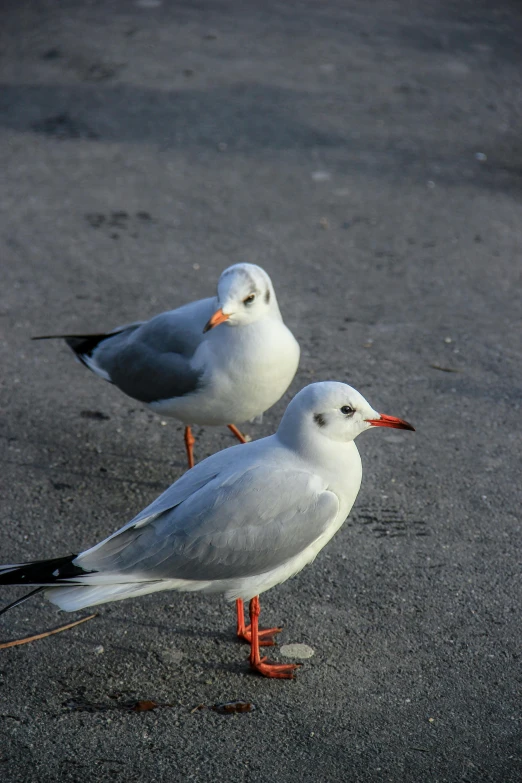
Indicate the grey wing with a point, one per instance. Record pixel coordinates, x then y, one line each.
151 361
248 523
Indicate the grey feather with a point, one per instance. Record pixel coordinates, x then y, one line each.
224 525
151 361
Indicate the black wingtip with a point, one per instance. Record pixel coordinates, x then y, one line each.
41 572
69 336
21 600
87 341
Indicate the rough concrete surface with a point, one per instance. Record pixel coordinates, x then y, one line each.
368 155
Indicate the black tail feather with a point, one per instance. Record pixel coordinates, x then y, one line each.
42 572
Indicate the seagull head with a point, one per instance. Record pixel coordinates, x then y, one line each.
245 294
334 411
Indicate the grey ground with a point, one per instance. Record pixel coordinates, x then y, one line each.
368 155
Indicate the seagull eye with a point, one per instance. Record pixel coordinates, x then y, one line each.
347 410
249 299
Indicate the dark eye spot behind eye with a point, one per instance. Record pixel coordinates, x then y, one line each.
267 296
319 419
347 410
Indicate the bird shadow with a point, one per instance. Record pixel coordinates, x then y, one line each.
248 116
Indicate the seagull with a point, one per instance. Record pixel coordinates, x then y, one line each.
181 364
239 523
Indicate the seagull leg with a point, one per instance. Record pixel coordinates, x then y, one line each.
244 631
282 671
239 435
189 442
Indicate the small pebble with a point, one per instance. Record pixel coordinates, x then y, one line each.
321 176
296 651
171 656
448 340
99 649
481 156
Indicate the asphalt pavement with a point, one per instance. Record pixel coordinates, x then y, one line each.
368 155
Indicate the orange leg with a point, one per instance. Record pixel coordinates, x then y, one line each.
239 435
283 671
244 631
189 442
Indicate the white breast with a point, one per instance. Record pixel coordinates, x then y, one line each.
245 371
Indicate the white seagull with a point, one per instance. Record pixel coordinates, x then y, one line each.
240 522
180 365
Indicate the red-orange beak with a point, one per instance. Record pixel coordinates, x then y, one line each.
391 421
218 318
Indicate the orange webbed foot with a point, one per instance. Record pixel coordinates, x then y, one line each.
280 671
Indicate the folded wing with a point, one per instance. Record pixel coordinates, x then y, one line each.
241 522
149 360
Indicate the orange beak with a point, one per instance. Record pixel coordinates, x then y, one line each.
218 318
391 421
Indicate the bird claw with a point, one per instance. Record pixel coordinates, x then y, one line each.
280 671
264 634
